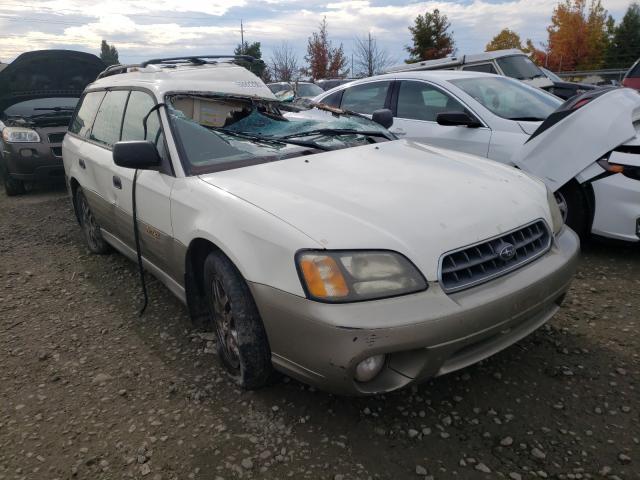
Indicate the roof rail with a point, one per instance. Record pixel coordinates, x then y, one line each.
116 69
196 59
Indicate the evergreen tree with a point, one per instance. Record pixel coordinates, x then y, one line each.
108 54
624 48
431 38
253 50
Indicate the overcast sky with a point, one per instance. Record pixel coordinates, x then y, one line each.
143 29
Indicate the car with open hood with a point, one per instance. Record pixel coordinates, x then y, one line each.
324 249
585 149
38 94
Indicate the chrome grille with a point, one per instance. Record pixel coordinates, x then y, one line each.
481 262
56 137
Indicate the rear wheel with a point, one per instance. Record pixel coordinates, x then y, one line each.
573 205
90 227
242 341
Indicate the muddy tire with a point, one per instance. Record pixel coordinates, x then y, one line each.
243 346
573 206
13 187
90 227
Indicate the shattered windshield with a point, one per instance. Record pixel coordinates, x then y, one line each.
219 133
510 99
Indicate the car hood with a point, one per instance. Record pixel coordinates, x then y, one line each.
46 74
529 127
568 147
400 195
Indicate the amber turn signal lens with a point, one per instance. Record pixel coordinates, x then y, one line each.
323 277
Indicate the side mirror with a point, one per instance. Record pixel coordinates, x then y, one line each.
457 119
138 154
383 117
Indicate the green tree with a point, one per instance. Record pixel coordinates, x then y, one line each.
504 40
108 54
431 38
253 50
624 47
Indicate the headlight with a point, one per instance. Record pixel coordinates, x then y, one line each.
20 135
351 276
556 215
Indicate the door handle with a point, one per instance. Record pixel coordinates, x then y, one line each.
399 132
117 182
82 164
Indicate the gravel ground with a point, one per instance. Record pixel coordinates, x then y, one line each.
89 390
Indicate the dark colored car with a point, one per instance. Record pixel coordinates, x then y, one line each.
329 83
632 78
563 89
38 94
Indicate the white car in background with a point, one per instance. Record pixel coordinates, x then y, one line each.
587 152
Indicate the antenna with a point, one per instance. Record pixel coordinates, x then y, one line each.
241 38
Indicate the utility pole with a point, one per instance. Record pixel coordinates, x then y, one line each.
241 38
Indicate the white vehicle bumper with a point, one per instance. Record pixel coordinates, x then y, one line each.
617 208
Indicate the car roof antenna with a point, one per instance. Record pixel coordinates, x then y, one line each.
136 235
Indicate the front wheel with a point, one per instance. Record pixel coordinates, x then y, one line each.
243 346
573 205
90 227
13 187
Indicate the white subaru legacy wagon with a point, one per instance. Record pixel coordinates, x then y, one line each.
326 250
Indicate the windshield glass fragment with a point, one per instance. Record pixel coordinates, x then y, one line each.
220 132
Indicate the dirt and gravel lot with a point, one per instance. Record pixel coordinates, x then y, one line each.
88 390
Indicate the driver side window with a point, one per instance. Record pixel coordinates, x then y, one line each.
421 101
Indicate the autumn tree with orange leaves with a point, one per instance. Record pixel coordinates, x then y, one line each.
579 36
325 60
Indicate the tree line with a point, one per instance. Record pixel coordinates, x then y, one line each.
581 36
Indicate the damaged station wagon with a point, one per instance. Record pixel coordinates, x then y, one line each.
326 250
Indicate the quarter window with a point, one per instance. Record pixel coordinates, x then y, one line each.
81 123
421 101
365 98
106 128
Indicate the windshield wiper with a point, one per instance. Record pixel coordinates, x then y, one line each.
57 109
341 131
527 119
271 140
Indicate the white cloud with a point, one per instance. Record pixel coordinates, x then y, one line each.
141 28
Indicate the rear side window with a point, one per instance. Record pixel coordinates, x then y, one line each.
483 67
635 70
81 123
421 101
106 128
365 98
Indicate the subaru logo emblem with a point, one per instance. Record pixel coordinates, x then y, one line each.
507 252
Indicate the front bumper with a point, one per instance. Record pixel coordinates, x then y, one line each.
423 335
34 162
617 207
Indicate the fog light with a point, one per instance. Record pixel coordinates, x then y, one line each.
369 368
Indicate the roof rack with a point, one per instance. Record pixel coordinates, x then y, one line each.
173 61
196 59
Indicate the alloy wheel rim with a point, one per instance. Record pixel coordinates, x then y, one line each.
224 321
89 223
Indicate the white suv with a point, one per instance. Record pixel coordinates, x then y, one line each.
360 270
